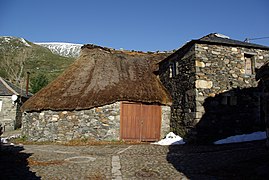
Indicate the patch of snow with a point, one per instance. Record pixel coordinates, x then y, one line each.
170 139
243 138
222 36
24 42
5 140
63 49
7 39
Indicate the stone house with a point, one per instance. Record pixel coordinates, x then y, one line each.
11 99
104 95
212 84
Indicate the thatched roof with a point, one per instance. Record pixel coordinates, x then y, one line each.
102 76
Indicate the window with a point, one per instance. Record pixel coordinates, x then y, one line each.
173 69
249 64
170 71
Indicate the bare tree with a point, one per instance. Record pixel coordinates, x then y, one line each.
14 64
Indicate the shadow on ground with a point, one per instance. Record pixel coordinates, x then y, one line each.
231 161
14 164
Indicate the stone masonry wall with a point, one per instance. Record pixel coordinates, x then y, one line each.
227 99
221 68
213 96
165 124
102 123
178 76
7 113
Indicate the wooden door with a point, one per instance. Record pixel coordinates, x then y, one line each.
140 122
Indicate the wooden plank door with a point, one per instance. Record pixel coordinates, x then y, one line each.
151 122
130 122
140 122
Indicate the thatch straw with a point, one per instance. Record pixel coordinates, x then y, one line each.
102 76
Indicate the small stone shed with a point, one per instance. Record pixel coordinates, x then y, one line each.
10 114
104 95
213 87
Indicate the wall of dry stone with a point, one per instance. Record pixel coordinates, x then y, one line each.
178 76
101 123
228 100
213 96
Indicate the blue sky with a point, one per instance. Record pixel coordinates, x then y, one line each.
146 25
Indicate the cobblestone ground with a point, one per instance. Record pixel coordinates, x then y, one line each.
234 161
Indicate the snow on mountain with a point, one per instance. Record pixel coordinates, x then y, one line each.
24 42
63 49
9 39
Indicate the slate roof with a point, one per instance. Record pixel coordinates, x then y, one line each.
102 76
8 89
215 38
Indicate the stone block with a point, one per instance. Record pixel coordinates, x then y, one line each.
200 99
203 84
200 109
234 49
215 52
199 64
235 75
199 115
242 71
207 64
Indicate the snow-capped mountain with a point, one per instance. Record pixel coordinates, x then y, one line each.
15 41
63 49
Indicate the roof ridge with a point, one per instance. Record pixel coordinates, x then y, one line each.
222 39
7 86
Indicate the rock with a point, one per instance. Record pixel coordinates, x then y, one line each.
203 84
199 64
234 49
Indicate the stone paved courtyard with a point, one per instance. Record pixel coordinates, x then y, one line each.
234 161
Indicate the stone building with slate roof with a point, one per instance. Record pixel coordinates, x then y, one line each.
10 114
212 84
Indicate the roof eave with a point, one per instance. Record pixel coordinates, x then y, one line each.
234 45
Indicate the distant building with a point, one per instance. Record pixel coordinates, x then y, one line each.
11 99
212 84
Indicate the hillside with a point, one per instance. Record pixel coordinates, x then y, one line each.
18 56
